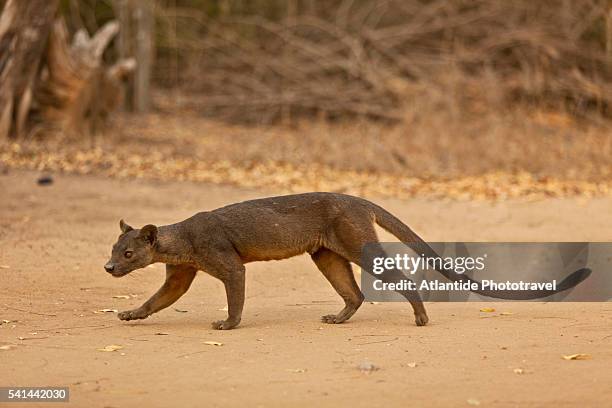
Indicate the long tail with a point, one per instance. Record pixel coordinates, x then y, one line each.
396 227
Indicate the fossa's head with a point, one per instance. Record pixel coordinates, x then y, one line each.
133 250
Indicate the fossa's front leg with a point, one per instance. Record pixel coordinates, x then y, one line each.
234 290
178 280
226 265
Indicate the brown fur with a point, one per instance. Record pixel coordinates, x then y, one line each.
332 228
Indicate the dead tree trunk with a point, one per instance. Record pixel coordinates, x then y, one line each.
609 32
136 40
24 28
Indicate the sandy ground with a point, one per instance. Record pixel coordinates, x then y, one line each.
54 241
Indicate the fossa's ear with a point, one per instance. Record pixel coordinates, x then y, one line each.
149 233
124 227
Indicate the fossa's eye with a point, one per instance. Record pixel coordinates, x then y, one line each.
128 254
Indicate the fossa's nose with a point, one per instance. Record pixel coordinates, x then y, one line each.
109 267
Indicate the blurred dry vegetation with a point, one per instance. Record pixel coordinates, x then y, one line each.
428 89
386 59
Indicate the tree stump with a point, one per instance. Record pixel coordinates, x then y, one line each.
77 91
49 83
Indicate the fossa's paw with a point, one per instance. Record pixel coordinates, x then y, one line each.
135 314
224 325
331 319
421 319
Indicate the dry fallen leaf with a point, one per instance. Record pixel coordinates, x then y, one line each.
487 309
223 309
473 402
106 311
121 297
180 310
4 267
367 367
297 370
161 334
7 347
412 365
111 347
506 314
579 356
213 343
519 371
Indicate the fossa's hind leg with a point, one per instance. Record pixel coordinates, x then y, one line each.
339 273
350 234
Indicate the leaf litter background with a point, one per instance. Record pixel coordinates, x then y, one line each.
529 157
